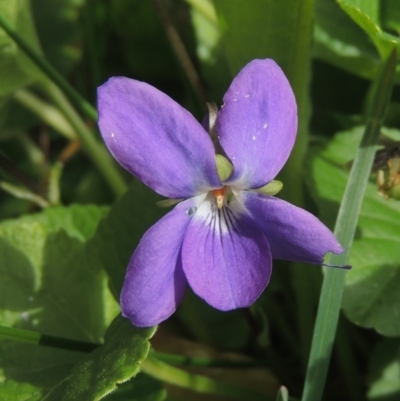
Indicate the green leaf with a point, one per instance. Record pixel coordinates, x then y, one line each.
120 232
366 14
49 286
78 221
259 29
142 388
118 360
16 69
341 42
370 296
390 15
384 384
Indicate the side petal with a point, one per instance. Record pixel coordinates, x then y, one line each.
257 123
225 257
156 139
155 283
292 232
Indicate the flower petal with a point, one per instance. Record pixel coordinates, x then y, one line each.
155 283
292 232
225 257
155 139
257 124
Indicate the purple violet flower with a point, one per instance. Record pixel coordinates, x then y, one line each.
221 240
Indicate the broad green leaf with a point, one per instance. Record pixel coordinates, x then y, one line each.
49 286
119 233
78 221
390 15
27 374
115 362
16 69
46 275
366 14
341 42
371 293
384 372
257 29
142 388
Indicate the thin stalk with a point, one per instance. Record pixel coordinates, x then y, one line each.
48 70
35 338
23 193
333 283
182 360
198 383
180 51
97 153
46 112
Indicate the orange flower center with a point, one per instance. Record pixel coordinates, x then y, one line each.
219 196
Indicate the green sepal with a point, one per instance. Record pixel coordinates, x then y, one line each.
168 202
224 167
272 188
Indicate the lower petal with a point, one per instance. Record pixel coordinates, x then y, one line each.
292 232
225 257
155 283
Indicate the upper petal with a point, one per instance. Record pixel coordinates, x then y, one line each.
257 124
225 257
155 283
156 139
292 232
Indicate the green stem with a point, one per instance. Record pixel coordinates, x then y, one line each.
23 193
99 156
183 360
46 112
35 338
195 382
332 288
48 70
96 152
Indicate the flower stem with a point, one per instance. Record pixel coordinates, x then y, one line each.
180 51
35 338
46 112
99 156
96 152
160 370
183 360
332 288
48 70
